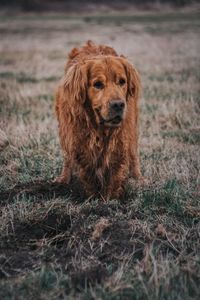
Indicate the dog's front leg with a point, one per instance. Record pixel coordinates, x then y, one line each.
66 173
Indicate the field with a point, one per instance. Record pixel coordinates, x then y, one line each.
54 243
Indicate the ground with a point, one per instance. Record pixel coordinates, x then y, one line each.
55 243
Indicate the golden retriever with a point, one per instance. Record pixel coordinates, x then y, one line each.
97 111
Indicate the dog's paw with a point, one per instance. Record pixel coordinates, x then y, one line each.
61 180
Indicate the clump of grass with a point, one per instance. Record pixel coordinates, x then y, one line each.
188 137
25 78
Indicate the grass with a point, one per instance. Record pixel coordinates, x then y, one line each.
149 247
125 17
23 78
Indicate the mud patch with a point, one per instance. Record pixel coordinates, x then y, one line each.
89 276
12 264
49 226
122 241
20 250
42 189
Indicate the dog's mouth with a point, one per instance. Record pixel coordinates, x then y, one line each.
115 121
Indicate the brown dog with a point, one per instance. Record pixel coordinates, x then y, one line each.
97 111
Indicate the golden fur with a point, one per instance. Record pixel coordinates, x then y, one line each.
97 112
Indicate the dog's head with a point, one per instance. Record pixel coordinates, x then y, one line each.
105 85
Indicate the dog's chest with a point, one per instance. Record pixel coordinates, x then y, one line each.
101 155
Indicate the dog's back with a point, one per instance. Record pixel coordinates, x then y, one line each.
89 50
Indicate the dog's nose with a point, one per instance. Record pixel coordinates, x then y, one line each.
117 105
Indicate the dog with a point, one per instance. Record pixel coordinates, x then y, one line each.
97 111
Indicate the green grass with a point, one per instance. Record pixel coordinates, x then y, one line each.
25 78
162 17
176 17
185 137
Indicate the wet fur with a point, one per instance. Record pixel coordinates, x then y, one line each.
102 157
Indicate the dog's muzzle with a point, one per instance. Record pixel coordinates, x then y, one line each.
116 109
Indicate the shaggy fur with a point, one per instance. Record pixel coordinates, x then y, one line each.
97 111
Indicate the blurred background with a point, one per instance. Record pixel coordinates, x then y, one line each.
89 5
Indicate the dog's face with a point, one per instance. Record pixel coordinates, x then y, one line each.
107 84
107 91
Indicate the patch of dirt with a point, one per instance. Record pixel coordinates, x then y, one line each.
42 189
82 243
122 241
89 276
65 240
20 250
52 224
14 263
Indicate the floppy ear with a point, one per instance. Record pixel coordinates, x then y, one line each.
75 84
133 81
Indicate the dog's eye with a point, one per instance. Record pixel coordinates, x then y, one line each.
122 81
98 85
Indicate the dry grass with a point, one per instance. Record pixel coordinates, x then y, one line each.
148 246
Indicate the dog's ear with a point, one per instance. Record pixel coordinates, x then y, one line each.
75 84
133 80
